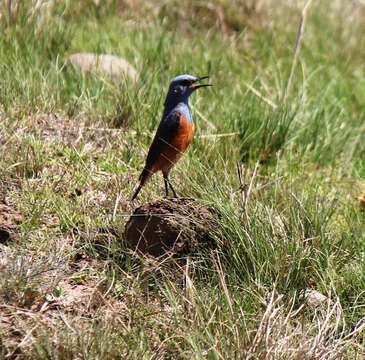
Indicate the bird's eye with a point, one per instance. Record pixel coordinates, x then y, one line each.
178 89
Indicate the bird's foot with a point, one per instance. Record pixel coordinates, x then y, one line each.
175 196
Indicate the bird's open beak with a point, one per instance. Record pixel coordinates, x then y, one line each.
197 86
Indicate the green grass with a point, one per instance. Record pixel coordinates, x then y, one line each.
73 145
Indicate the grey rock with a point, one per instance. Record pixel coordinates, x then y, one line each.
112 66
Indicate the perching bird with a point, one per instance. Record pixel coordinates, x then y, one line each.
174 133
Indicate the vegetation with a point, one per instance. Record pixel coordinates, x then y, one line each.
73 144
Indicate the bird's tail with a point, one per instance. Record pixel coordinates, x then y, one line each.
136 192
145 175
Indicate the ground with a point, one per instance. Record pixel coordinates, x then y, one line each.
282 162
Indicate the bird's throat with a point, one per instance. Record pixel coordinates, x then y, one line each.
181 107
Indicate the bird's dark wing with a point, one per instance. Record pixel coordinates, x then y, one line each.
164 135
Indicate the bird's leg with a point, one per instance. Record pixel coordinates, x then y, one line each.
173 190
167 184
166 181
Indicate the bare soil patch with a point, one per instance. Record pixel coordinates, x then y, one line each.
9 221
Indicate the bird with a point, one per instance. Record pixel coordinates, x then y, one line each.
174 133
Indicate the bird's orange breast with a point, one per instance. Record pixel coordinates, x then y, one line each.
177 145
184 135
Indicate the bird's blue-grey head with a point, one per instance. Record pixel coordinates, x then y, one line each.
181 87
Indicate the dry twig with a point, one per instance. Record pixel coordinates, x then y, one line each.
262 97
297 48
246 188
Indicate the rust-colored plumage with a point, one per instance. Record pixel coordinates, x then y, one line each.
171 152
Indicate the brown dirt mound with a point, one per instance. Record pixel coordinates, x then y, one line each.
9 221
177 226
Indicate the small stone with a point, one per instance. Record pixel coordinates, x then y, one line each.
314 298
